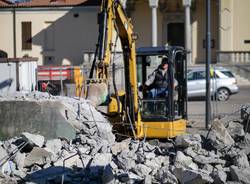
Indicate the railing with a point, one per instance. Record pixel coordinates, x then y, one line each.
233 57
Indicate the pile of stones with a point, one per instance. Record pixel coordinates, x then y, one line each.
220 155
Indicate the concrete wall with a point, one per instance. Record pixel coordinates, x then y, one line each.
72 34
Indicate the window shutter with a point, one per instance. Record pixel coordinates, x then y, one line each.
26 36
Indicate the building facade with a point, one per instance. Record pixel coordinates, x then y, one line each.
230 28
60 31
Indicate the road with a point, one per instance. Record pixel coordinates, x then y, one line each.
228 109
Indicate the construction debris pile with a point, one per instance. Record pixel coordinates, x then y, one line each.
221 155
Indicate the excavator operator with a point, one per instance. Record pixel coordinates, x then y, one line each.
157 83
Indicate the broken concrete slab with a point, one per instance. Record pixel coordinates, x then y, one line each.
188 176
165 176
148 179
71 159
142 170
149 155
54 145
208 167
7 168
240 175
8 180
52 117
126 160
208 160
101 159
219 136
157 162
133 178
182 160
19 160
236 130
118 147
188 140
33 139
42 117
37 156
219 176
241 160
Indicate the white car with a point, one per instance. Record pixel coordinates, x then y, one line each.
223 83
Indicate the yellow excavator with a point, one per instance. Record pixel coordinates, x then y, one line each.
141 116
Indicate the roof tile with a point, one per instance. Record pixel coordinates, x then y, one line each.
53 3
4 2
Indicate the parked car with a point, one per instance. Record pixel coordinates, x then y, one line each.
223 83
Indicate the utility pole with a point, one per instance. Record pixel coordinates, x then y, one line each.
154 5
187 5
208 61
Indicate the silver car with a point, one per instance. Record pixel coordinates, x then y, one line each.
223 83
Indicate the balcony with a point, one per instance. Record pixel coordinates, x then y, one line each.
233 57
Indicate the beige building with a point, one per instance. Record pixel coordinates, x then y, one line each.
230 28
62 30
56 31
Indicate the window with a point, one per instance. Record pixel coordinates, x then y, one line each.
200 75
190 76
228 74
26 36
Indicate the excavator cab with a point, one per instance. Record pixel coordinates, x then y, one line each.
170 110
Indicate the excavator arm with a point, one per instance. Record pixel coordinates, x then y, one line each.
112 20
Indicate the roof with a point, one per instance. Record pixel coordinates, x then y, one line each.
24 59
52 3
4 3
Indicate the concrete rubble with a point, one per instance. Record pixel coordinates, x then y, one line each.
93 155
